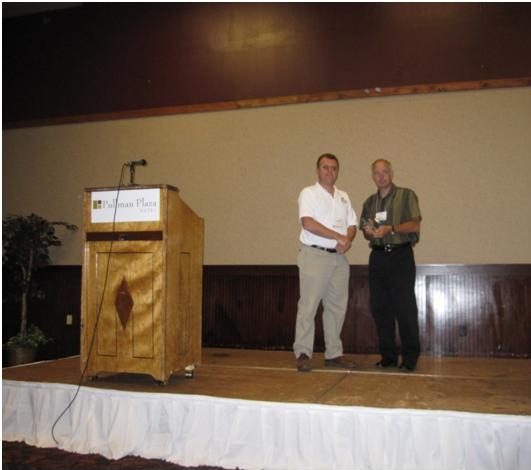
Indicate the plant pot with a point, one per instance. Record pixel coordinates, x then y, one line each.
20 355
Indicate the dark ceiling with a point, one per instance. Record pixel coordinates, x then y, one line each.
96 59
13 9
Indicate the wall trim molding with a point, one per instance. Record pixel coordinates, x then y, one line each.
375 92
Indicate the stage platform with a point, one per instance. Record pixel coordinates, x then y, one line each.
251 409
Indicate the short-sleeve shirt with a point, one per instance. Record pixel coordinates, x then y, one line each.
334 212
400 205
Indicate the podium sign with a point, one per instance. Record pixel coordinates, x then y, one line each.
129 205
142 282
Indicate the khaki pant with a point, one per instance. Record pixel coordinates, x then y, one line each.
323 277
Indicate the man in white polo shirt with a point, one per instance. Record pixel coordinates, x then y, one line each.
328 228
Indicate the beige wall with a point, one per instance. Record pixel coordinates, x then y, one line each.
467 155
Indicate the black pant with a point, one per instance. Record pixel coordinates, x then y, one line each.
392 298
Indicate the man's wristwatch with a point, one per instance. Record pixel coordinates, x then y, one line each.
392 229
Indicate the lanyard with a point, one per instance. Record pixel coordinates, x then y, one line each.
378 201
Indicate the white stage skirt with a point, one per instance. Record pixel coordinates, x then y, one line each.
194 430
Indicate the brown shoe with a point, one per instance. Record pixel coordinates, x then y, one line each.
303 363
340 361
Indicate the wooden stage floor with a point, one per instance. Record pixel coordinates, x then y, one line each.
479 385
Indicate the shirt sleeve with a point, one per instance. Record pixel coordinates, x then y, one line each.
352 218
306 204
413 206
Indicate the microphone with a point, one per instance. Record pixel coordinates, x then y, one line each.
137 163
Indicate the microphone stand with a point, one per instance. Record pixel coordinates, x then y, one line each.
132 174
132 164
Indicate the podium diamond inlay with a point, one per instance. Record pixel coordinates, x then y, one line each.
124 303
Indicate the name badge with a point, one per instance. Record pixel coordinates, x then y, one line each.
339 224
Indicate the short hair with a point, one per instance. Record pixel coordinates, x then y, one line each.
381 160
329 156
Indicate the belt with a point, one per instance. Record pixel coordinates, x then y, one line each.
388 248
329 250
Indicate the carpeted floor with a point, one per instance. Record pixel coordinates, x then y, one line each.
20 456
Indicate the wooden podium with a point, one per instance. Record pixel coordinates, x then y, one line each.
142 282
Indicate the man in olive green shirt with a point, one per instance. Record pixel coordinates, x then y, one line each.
390 220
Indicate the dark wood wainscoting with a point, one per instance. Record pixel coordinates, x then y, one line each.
464 310
59 297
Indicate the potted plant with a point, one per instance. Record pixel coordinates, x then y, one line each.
26 241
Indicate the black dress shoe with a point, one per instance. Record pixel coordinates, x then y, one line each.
384 363
407 367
